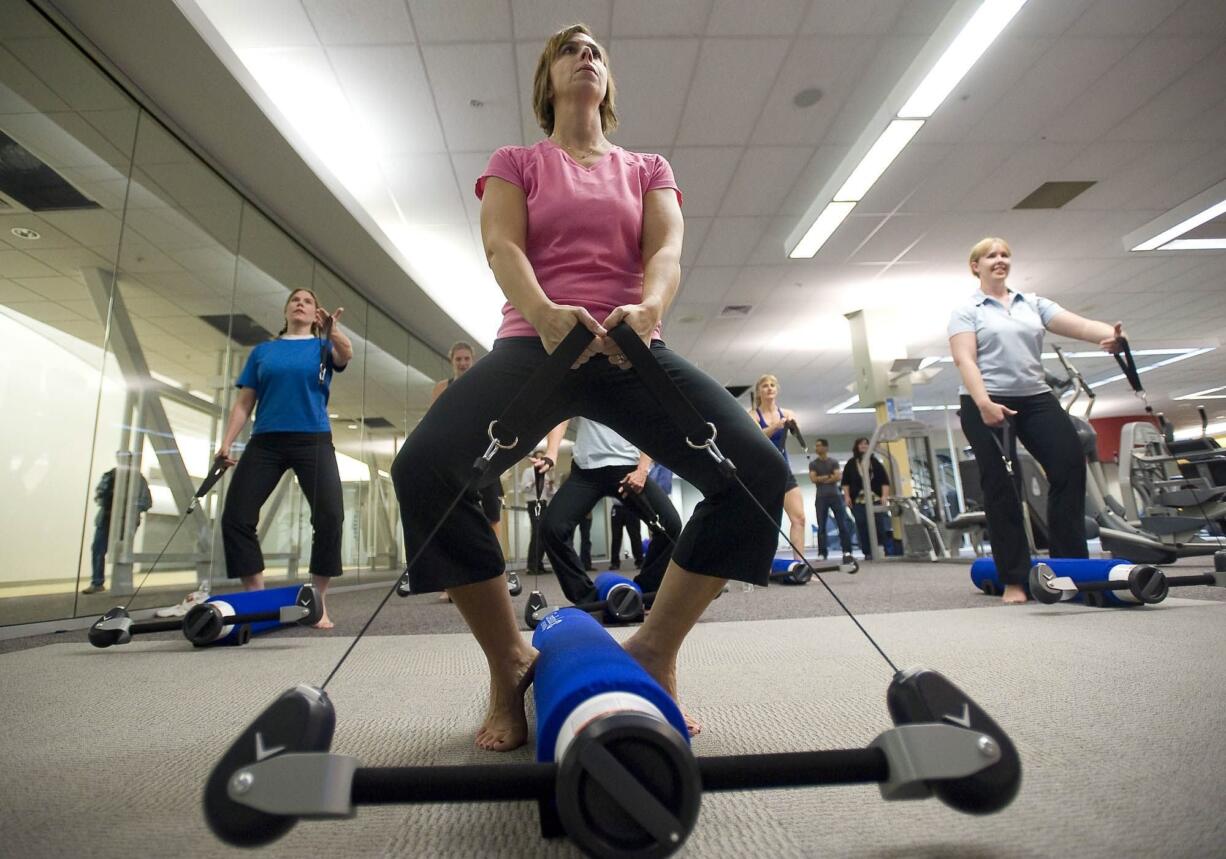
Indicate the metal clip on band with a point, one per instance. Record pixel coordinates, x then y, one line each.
681 410
528 403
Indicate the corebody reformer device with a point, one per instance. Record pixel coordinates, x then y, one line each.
614 768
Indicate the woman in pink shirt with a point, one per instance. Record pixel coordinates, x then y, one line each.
581 232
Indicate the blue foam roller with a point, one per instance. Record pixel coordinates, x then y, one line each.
583 673
1080 570
605 582
250 602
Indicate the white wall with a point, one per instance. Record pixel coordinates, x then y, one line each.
48 398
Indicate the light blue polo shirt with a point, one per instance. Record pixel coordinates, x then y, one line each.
597 446
1008 339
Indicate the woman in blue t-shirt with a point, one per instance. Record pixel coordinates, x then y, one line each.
289 378
996 338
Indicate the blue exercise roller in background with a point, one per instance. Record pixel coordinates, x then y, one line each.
240 603
1080 570
622 598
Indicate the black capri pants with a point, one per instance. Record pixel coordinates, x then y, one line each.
1046 431
727 537
259 469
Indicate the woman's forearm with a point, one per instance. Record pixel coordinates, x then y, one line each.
342 347
661 275
238 419
517 280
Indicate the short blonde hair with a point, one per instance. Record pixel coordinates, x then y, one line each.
982 247
542 86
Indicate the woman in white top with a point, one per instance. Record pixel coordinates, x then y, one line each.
996 338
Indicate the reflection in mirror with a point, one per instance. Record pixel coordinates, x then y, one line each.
387 367
345 410
72 132
170 340
270 267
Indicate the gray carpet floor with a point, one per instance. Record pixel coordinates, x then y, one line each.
1118 716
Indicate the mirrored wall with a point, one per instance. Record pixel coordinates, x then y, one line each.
134 284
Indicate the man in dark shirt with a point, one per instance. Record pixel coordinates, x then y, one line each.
856 498
826 474
104 496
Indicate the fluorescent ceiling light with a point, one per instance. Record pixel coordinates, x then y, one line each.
1190 353
1195 432
1195 245
891 142
827 222
1207 394
967 47
1182 227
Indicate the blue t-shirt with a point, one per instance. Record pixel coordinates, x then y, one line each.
285 376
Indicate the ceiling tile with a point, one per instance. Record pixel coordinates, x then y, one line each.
359 22
832 64
732 73
388 87
1145 71
704 173
461 20
653 18
460 74
1058 77
764 178
539 19
1123 17
271 24
851 17
649 113
730 240
760 18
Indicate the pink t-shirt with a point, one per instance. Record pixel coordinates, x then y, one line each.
584 224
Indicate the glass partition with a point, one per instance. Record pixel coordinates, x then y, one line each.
170 338
134 283
68 135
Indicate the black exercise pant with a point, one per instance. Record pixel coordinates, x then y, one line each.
1046 431
585 541
727 537
622 518
574 501
259 469
834 506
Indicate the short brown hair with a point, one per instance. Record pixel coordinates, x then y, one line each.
982 247
542 87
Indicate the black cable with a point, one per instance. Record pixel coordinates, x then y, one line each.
685 415
213 476
524 404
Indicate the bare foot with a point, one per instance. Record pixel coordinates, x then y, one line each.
1013 595
325 622
505 726
665 673
444 597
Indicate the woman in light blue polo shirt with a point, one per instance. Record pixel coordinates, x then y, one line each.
996 338
290 380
